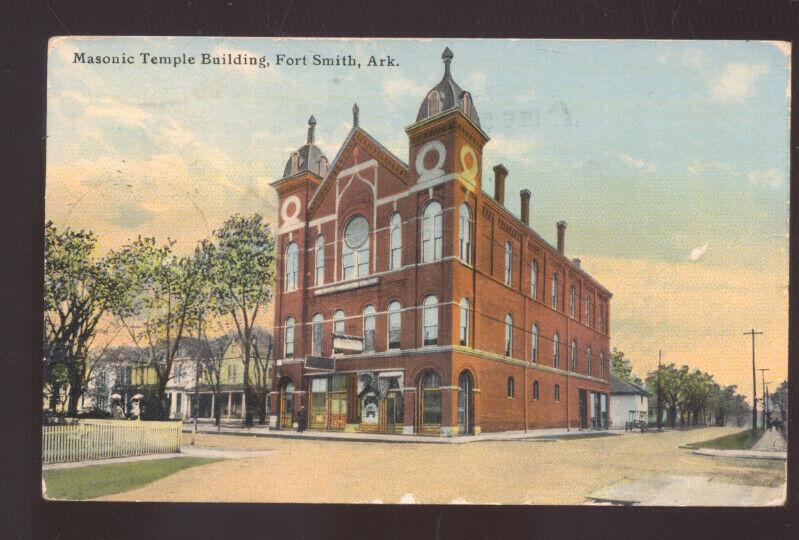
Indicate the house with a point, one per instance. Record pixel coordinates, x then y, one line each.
630 403
409 300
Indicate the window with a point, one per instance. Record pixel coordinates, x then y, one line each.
292 262
431 399
464 323
369 328
318 332
574 355
508 263
433 103
572 292
232 373
511 387
557 392
508 335
588 360
534 344
588 309
465 233
554 290
394 325
289 344
430 320
338 326
355 254
431 232
602 364
396 242
602 316
535 390
320 260
556 350
534 280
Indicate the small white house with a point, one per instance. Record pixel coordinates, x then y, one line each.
629 402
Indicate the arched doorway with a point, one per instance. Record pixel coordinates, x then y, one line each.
428 417
465 404
286 404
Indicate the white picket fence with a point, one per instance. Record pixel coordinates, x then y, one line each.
101 439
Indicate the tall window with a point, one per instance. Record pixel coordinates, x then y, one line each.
318 333
511 387
355 258
431 399
508 335
320 260
338 325
572 293
289 338
430 320
535 389
534 280
554 290
602 364
465 233
588 309
431 232
396 241
602 316
292 262
508 263
394 325
464 322
556 350
574 355
557 392
534 342
369 328
588 360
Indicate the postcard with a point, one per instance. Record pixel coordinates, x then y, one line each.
431 271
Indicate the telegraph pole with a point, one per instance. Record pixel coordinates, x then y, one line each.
659 410
753 333
763 393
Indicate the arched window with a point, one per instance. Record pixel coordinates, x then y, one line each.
508 263
394 325
588 309
602 364
320 260
602 316
396 241
534 342
369 328
572 299
465 233
535 390
534 280
355 253
588 360
557 392
556 350
431 399
288 344
554 290
464 322
433 103
318 333
574 355
430 320
292 262
431 232
508 335
338 325
467 104
511 387
295 162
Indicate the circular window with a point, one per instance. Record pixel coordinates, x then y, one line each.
357 232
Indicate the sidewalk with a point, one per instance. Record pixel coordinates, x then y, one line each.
185 451
771 441
542 435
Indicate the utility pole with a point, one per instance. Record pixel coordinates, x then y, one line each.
768 412
659 405
763 393
753 333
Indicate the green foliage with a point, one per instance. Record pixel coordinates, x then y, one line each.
743 440
81 483
621 366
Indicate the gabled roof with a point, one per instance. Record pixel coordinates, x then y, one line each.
621 386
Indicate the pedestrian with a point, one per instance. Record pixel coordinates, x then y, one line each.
302 419
117 413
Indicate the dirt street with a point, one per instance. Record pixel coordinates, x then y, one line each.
514 472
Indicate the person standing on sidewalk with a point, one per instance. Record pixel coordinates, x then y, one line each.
302 419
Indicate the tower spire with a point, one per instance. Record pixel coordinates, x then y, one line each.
447 57
355 115
311 126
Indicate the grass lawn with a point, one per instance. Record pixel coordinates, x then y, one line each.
98 480
743 440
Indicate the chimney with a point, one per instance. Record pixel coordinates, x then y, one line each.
525 196
561 236
500 172
355 115
576 262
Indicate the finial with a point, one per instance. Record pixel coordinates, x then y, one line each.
355 115
311 125
447 57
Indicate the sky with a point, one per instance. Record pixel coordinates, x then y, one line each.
669 160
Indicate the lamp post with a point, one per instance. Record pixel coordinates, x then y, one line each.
659 409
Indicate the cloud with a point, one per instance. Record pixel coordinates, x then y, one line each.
698 252
783 46
698 169
737 81
176 133
110 108
400 88
770 178
645 167
511 147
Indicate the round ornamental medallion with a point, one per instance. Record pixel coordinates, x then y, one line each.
433 153
468 163
357 232
290 211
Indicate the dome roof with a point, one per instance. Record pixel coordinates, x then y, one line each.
308 155
447 95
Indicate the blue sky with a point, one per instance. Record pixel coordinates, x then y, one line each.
648 149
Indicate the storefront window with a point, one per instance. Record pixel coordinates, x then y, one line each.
318 416
431 399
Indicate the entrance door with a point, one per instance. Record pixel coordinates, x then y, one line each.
286 404
583 409
465 404
338 410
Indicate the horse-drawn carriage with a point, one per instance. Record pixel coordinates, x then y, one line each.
636 420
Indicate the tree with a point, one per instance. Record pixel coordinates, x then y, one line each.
779 400
212 358
241 271
79 289
263 351
670 385
621 366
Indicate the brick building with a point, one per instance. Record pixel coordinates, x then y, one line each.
468 320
